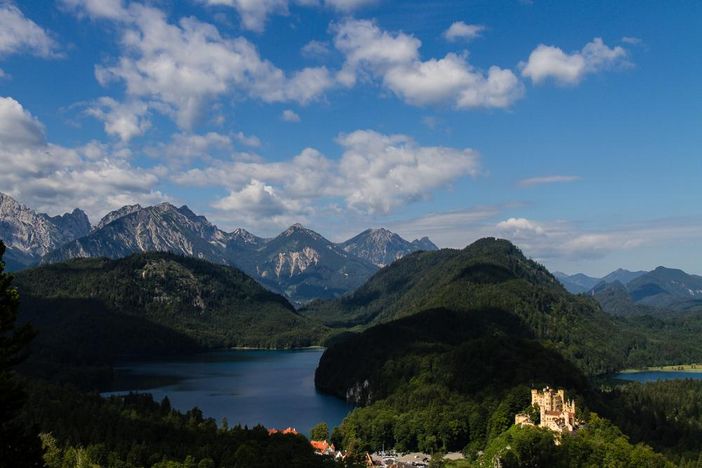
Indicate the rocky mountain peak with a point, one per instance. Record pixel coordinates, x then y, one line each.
116 214
29 235
382 246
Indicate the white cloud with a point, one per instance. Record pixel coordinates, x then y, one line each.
563 240
631 40
251 141
185 147
393 58
461 30
289 115
18 128
57 179
375 174
19 34
533 181
258 201
315 49
451 79
348 5
179 68
549 62
381 172
519 227
97 9
125 120
253 13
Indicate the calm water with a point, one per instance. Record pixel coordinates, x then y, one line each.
652 376
273 388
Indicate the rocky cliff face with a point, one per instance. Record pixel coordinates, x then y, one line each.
299 262
116 214
160 228
30 235
306 266
382 247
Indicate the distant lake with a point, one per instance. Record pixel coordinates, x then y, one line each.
652 376
248 387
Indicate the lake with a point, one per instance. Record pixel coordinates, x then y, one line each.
652 376
248 387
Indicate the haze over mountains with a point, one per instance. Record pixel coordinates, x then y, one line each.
299 263
662 290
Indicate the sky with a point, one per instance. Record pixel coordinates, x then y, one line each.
571 128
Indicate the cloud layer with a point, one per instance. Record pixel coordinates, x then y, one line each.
551 63
56 179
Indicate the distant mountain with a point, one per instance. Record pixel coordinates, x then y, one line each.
93 311
663 291
382 247
306 266
666 287
623 276
299 263
116 214
161 228
577 283
580 283
29 235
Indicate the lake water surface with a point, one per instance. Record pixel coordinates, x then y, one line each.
248 387
652 376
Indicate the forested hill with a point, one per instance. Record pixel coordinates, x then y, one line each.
447 345
92 311
493 274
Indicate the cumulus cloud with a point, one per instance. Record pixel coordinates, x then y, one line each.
256 201
97 9
56 179
19 34
554 179
550 62
460 30
18 128
315 49
124 120
289 115
563 240
178 68
375 174
393 59
253 13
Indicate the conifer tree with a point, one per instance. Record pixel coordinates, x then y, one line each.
18 445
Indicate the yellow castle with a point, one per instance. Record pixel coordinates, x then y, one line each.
555 412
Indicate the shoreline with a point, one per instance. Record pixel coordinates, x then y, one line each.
688 368
254 348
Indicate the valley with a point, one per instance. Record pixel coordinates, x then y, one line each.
436 351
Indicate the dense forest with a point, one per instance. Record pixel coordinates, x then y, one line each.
447 362
438 351
90 312
135 431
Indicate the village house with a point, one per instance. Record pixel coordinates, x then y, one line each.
555 412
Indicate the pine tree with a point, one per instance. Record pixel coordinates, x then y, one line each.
18 445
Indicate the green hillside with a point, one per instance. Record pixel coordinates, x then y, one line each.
444 347
493 274
90 312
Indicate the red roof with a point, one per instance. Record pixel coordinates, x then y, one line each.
321 445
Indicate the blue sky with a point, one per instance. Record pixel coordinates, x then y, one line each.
572 128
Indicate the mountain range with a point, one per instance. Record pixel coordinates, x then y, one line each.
623 292
299 263
581 283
